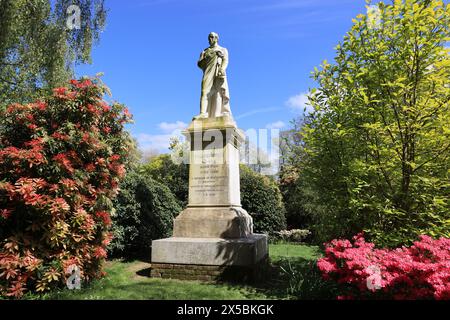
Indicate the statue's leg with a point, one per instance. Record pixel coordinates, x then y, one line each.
217 105
212 106
225 102
204 103
218 112
222 89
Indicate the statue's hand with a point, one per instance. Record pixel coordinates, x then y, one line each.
221 72
220 54
209 53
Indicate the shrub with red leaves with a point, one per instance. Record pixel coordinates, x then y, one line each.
61 159
421 271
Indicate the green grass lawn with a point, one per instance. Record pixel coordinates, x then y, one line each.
288 251
125 281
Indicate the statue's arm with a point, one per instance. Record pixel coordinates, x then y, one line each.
201 60
225 59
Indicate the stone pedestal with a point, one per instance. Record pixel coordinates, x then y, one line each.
214 230
211 251
213 222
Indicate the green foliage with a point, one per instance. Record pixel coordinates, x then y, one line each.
293 235
298 274
262 199
134 156
37 50
293 197
376 150
290 179
304 280
144 211
175 176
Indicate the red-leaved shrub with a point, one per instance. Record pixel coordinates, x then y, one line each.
421 271
61 159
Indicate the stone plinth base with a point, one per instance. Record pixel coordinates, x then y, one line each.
211 251
209 273
213 222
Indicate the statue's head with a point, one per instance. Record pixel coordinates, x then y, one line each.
213 38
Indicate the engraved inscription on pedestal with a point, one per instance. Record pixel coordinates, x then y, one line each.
209 185
209 178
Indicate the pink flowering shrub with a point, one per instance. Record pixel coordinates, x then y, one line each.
421 271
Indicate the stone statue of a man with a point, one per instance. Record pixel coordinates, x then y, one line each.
215 98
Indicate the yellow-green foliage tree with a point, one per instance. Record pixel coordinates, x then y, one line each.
173 175
376 153
37 48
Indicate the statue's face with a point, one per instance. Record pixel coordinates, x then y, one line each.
212 38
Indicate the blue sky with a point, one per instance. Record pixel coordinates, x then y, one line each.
149 50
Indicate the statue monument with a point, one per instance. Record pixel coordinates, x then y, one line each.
213 237
215 97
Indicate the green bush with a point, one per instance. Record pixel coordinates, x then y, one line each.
145 210
294 199
262 199
294 235
174 176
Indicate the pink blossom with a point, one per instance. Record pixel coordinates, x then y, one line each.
421 271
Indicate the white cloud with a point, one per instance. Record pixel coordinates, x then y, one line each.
172 126
298 103
276 125
160 142
256 111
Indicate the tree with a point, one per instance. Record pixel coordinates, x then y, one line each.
255 158
149 154
290 178
291 188
134 157
38 50
376 150
175 176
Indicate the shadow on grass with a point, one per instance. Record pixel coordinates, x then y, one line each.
144 272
